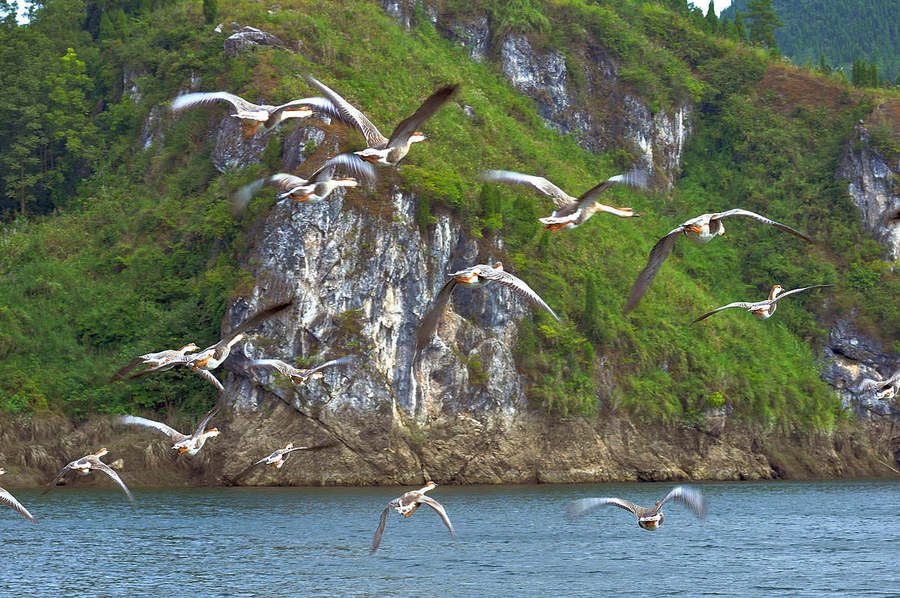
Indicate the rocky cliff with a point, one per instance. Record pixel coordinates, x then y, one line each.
594 105
873 182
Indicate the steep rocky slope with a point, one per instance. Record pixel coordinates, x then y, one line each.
364 266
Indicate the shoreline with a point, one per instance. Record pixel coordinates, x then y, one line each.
453 451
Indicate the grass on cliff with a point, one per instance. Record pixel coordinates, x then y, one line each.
145 257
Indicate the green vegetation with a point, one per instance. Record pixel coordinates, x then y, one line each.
840 31
143 253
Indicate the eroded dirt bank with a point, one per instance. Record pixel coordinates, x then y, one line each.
451 450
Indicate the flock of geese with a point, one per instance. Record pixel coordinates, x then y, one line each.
358 167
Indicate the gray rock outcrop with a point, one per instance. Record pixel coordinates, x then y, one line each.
601 113
874 185
248 39
851 357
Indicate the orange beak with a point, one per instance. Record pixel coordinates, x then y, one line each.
182 450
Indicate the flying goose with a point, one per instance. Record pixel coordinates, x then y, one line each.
158 362
277 458
701 229
571 212
474 277
319 185
384 150
84 467
255 115
884 389
765 308
212 357
10 501
648 518
299 375
182 442
406 505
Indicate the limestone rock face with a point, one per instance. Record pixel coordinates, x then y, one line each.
299 143
248 39
233 149
362 278
474 34
541 75
874 185
152 130
852 357
595 105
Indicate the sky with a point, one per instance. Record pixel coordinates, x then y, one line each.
704 4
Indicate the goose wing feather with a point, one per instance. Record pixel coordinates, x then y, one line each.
759 218
538 183
410 125
689 497
97 464
380 531
361 170
800 290
658 255
517 285
52 483
10 501
173 434
430 321
201 427
586 505
439 509
350 115
741 304
321 105
193 99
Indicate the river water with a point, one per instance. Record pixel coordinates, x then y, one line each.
759 539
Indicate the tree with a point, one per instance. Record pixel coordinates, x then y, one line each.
762 29
823 65
712 21
740 32
210 11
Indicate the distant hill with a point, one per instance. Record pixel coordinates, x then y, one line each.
842 30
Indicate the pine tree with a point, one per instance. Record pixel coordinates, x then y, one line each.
762 29
740 32
210 11
712 21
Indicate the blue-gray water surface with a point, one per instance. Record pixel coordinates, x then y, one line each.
759 539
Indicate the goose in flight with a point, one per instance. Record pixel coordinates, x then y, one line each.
648 518
212 357
182 442
406 505
701 229
319 185
765 308
571 212
384 150
475 276
277 458
884 389
84 467
158 362
10 501
255 115
299 375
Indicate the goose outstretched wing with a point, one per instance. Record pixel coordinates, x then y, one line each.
350 114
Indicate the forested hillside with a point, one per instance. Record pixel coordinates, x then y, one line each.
109 249
841 30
